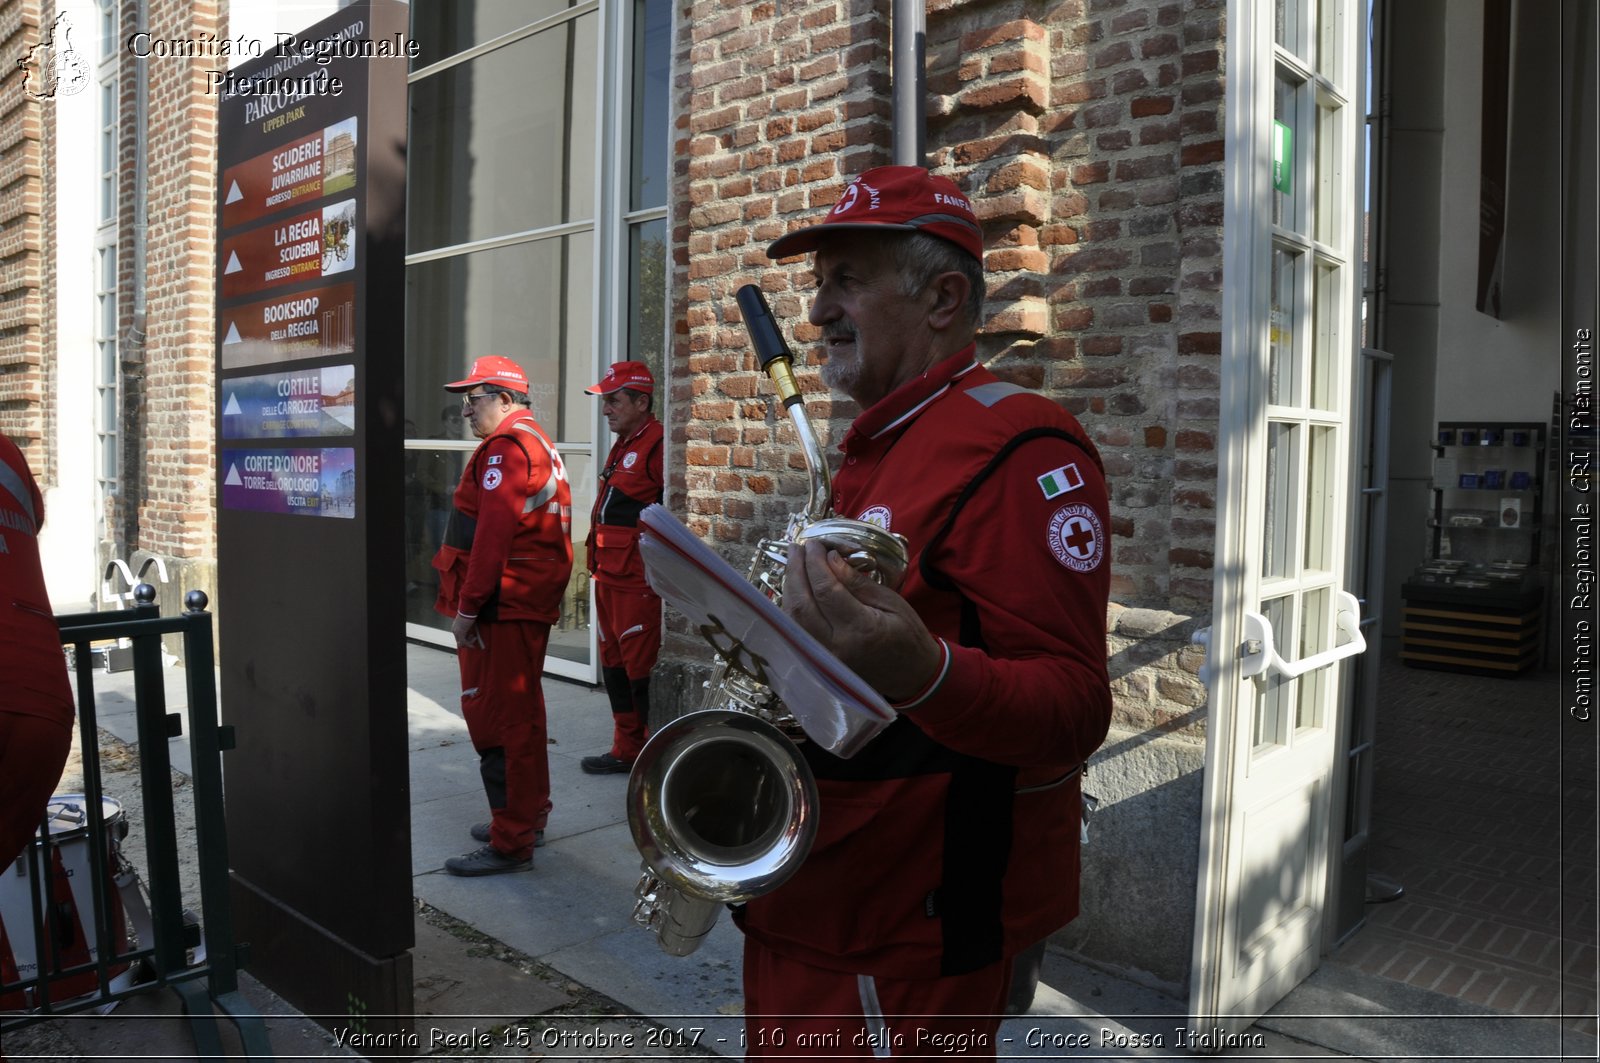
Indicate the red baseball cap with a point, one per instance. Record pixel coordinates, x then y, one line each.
632 375
906 198
494 369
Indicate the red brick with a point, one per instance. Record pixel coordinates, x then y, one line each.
1145 106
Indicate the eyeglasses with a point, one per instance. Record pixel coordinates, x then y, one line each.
469 401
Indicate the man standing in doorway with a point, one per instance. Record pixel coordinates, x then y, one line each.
504 565
627 612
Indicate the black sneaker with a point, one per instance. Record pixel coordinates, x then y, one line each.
480 833
486 861
606 764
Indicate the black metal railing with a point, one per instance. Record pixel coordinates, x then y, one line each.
171 958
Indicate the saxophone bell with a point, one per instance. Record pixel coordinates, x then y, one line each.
722 808
721 804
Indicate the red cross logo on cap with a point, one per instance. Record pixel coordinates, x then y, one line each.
1076 537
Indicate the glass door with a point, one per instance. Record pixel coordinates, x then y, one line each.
1283 619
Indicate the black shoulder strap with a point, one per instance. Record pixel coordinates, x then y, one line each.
931 576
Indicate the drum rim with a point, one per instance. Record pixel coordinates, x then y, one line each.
110 812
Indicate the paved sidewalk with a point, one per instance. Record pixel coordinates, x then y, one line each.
549 964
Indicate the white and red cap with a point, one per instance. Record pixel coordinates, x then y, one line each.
905 198
494 369
635 376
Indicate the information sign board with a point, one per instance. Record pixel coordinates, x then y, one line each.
309 341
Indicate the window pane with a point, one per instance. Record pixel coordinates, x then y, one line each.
1329 39
1267 730
569 638
531 302
1316 624
1289 23
1327 334
1329 205
481 166
1285 205
652 56
442 28
108 457
1283 371
108 29
1278 556
431 478
108 363
1320 511
647 285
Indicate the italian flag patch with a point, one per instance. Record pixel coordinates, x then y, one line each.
1058 482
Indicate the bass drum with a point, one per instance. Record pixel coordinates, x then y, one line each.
58 907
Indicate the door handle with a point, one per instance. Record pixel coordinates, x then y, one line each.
1259 655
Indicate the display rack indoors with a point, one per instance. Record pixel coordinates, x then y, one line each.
1476 604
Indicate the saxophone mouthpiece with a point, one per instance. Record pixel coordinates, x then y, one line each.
763 329
771 351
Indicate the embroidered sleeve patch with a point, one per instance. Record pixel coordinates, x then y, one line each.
1076 537
1058 482
491 479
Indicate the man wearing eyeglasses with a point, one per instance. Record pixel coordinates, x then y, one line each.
504 565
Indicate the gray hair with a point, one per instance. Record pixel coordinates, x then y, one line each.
518 398
920 257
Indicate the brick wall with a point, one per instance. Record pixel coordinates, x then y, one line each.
1089 136
22 230
174 417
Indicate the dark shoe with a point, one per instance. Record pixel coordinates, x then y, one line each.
606 764
480 833
486 861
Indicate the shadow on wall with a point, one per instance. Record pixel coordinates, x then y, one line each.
1141 865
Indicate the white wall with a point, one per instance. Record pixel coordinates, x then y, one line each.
259 20
71 529
1502 369
1451 361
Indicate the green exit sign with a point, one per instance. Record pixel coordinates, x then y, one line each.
1282 158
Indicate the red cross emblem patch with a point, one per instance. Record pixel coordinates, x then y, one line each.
1076 537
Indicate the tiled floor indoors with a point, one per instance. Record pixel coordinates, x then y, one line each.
1472 806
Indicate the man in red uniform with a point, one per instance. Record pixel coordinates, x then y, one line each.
950 843
627 611
36 711
504 565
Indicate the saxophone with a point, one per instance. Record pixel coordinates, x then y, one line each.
721 804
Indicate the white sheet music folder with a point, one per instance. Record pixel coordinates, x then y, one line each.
836 708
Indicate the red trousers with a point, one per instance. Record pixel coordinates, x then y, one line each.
503 703
628 622
798 1011
33 750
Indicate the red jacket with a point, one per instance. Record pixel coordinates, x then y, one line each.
951 841
630 480
507 552
30 642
